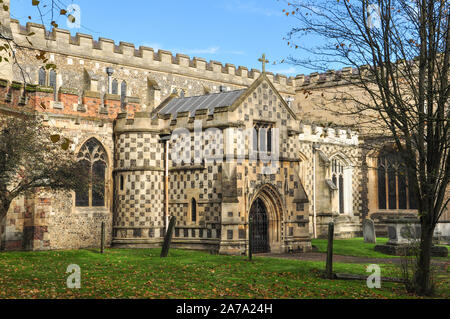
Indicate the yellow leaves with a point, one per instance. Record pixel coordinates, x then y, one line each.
49 66
65 146
35 2
41 55
63 12
55 138
71 18
5 7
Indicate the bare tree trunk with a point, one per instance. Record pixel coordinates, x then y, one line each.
423 280
4 206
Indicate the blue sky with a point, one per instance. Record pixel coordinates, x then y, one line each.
229 31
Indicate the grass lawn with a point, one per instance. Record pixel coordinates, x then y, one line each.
184 274
355 247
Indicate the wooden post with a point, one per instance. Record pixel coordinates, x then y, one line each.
102 244
168 238
329 265
250 242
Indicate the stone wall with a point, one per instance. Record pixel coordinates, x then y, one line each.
50 220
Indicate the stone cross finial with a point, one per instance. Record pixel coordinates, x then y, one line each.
263 61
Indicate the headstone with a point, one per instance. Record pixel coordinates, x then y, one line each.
402 234
329 265
168 238
369 231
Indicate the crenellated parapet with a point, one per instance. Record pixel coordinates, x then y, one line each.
17 97
326 134
330 78
61 41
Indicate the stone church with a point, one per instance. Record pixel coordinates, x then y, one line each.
222 148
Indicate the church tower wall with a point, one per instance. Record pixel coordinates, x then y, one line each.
139 183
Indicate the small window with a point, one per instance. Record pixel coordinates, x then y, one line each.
194 210
123 93
269 140
52 79
263 138
115 87
42 81
337 170
121 182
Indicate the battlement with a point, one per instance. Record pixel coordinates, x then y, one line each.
330 78
83 45
15 97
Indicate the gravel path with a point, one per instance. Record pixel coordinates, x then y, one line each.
348 259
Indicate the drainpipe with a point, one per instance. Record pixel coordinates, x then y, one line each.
315 147
166 184
166 139
110 72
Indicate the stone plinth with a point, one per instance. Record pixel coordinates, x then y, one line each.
402 234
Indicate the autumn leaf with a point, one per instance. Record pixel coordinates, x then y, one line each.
55 138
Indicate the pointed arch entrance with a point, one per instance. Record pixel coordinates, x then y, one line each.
259 224
265 220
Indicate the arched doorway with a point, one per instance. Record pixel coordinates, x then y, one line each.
266 211
259 224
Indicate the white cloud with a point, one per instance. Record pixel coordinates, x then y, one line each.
251 7
289 70
155 46
210 50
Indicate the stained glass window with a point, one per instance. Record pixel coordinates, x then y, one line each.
93 156
337 171
393 189
42 77
115 87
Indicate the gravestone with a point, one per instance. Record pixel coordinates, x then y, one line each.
168 238
404 234
369 231
329 262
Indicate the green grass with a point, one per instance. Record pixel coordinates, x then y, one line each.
355 247
352 247
184 274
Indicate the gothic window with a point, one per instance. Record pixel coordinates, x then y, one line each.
337 171
42 77
393 189
93 156
193 210
52 79
123 93
263 138
115 87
